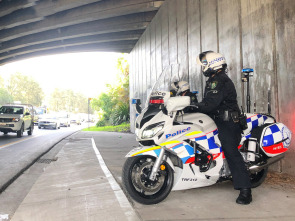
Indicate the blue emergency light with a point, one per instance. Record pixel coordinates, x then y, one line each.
247 70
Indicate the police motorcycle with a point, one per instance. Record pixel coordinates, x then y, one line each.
181 151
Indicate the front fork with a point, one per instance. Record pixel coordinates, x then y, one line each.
162 157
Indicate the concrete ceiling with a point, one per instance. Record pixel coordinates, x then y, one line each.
30 28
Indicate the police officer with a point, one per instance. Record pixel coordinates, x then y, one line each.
220 103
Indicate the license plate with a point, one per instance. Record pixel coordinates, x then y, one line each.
2 124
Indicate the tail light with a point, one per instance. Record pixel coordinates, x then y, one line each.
156 101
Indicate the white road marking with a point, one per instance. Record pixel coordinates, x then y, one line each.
4 217
123 201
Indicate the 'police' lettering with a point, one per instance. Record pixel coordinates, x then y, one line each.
177 133
158 93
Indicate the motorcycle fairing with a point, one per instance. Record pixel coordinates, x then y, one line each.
209 141
183 150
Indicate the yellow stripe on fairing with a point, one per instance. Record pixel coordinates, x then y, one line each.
170 142
146 150
193 133
156 147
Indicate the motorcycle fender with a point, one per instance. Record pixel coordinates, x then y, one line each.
151 151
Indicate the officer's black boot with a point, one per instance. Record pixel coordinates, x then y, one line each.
245 196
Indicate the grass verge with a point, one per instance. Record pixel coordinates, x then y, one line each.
120 128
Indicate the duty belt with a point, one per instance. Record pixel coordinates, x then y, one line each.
226 115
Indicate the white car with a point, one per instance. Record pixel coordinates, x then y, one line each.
65 120
17 118
49 121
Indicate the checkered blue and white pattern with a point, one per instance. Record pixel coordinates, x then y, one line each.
184 151
210 142
253 121
276 133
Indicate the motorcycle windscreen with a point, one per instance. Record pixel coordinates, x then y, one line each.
275 139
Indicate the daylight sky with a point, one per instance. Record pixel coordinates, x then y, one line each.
87 73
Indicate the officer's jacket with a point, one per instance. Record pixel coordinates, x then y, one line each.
220 95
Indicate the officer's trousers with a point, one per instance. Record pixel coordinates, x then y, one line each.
229 134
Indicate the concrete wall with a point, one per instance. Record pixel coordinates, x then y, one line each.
257 34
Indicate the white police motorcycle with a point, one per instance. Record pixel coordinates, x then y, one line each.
182 151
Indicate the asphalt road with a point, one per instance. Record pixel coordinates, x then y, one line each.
17 154
47 192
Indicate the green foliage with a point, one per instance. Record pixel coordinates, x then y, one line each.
24 89
102 122
68 100
5 97
125 127
120 114
114 103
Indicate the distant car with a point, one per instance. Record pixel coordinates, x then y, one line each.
49 121
17 118
65 120
76 120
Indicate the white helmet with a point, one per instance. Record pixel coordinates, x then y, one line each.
211 61
180 86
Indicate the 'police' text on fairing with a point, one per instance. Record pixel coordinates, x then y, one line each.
178 132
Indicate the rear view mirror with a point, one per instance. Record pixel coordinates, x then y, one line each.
137 104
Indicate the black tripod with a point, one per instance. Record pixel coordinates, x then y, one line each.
246 77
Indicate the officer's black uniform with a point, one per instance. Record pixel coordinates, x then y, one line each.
220 103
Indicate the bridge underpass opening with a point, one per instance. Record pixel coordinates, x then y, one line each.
63 82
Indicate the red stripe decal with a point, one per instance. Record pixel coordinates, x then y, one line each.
275 149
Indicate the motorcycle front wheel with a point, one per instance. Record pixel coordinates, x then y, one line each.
136 182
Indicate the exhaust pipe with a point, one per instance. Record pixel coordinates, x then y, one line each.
257 168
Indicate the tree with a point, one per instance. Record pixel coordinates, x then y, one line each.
24 89
68 100
5 97
114 103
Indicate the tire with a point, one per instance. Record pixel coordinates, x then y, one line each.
30 131
20 132
39 127
55 128
139 187
258 178
5 132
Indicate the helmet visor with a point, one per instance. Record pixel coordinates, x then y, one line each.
202 60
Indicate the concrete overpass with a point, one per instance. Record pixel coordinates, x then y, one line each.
30 28
257 34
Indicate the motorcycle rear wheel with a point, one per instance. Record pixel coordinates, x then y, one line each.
258 178
136 182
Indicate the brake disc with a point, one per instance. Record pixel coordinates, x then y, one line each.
141 178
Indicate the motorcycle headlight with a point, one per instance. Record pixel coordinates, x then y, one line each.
15 119
152 130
